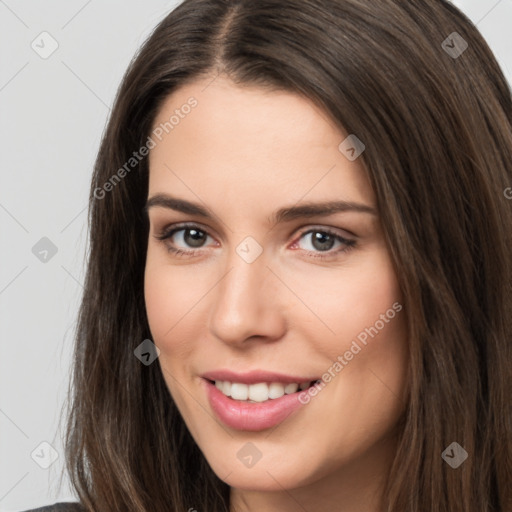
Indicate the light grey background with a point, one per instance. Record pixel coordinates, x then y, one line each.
53 112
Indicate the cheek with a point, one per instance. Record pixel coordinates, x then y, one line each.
167 305
361 331
169 300
160 297
348 302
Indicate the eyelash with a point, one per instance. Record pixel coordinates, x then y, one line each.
166 234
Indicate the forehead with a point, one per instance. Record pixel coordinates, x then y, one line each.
248 142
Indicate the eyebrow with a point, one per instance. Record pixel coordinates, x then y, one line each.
286 214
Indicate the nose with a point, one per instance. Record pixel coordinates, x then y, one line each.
248 303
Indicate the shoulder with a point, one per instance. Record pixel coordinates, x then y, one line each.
68 506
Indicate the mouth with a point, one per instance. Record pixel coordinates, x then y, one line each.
256 404
261 391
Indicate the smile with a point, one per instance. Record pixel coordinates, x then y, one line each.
255 400
259 392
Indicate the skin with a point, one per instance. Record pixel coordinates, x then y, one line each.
243 153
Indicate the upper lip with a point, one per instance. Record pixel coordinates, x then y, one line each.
255 376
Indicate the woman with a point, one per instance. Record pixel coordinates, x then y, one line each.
298 294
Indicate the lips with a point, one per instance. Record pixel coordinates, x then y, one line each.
276 397
256 376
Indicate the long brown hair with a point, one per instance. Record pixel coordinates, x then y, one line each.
437 127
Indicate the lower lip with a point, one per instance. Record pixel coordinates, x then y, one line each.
242 415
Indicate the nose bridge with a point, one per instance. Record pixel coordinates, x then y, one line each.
247 265
246 302
246 279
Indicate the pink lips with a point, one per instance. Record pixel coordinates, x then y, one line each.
255 376
243 415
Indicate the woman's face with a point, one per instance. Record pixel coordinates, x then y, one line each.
270 292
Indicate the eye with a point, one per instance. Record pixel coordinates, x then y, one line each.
192 238
191 235
322 240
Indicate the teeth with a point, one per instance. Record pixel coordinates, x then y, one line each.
291 388
276 390
226 388
239 391
260 392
